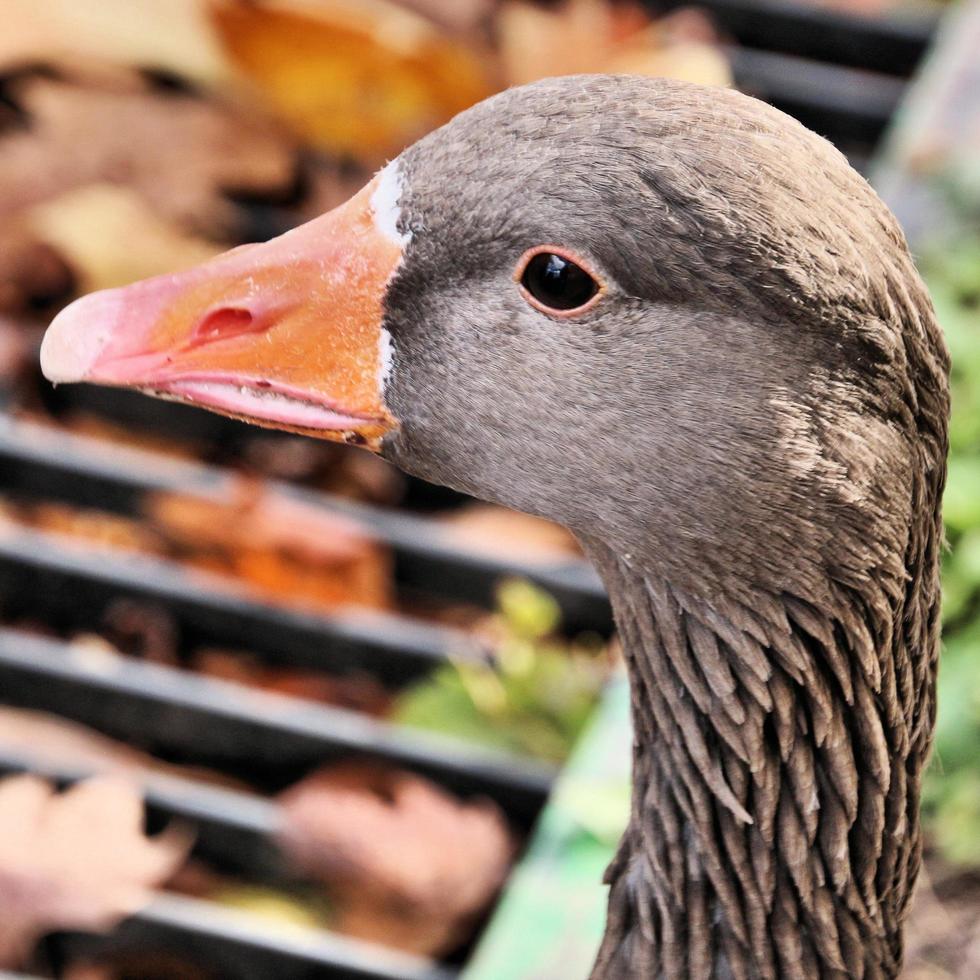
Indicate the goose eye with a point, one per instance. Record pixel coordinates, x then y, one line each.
556 283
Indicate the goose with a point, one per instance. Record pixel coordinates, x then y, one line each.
675 321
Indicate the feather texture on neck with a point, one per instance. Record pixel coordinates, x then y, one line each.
777 757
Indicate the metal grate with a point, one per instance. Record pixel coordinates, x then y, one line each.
183 717
839 74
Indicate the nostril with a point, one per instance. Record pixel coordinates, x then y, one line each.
229 321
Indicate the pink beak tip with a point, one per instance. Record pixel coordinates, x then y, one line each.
77 336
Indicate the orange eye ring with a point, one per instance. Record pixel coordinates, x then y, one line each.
565 269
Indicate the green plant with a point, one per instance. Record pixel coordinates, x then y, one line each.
952 792
535 694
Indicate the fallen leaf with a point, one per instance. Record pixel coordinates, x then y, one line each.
174 34
359 692
682 45
540 42
15 353
75 860
459 16
144 629
285 547
491 530
182 150
358 79
34 276
597 36
146 964
404 863
93 526
111 236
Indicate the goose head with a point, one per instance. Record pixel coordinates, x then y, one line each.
675 321
637 307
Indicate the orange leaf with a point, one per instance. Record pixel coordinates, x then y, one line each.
77 859
359 79
597 36
405 863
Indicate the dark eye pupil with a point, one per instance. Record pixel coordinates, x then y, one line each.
557 282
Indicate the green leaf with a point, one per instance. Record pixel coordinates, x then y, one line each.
961 504
535 698
528 611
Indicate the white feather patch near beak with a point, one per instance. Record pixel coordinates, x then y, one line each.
386 210
385 204
386 359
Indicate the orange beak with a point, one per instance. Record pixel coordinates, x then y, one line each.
286 334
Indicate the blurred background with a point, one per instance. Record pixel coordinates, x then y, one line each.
268 708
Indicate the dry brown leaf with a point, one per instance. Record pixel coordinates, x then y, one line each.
459 16
77 859
539 42
278 544
112 237
93 526
699 63
172 34
144 629
270 520
179 149
34 276
146 964
361 79
360 692
13 351
405 863
326 465
682 45
285 549
597 36
502 533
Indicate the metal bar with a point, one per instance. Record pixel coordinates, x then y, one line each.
43 462
238 944
47 575
234 831
268 740
844 104
893 44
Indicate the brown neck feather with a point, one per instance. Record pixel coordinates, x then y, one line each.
777 758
